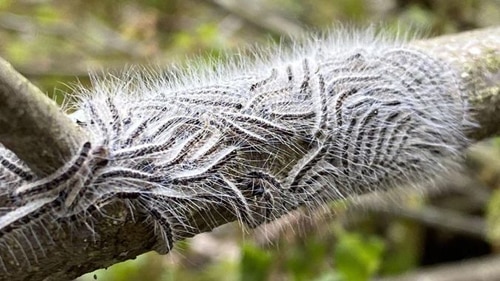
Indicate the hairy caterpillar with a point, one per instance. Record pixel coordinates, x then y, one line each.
335 117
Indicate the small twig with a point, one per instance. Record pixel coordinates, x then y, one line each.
259 17
485 269
439 218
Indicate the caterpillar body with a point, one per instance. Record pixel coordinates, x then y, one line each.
331 118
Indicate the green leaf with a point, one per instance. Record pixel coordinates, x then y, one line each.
358 258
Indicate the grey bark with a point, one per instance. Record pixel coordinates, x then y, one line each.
32 126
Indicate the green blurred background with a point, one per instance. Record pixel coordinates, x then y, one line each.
57 43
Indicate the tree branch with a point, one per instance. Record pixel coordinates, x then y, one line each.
477 54
42 136
32 126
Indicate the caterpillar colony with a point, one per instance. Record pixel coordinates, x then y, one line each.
330 118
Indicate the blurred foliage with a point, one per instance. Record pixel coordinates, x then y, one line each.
55 43
358 258
255 263
486 161
67 39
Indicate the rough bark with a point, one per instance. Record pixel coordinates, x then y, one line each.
34 128
477 55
